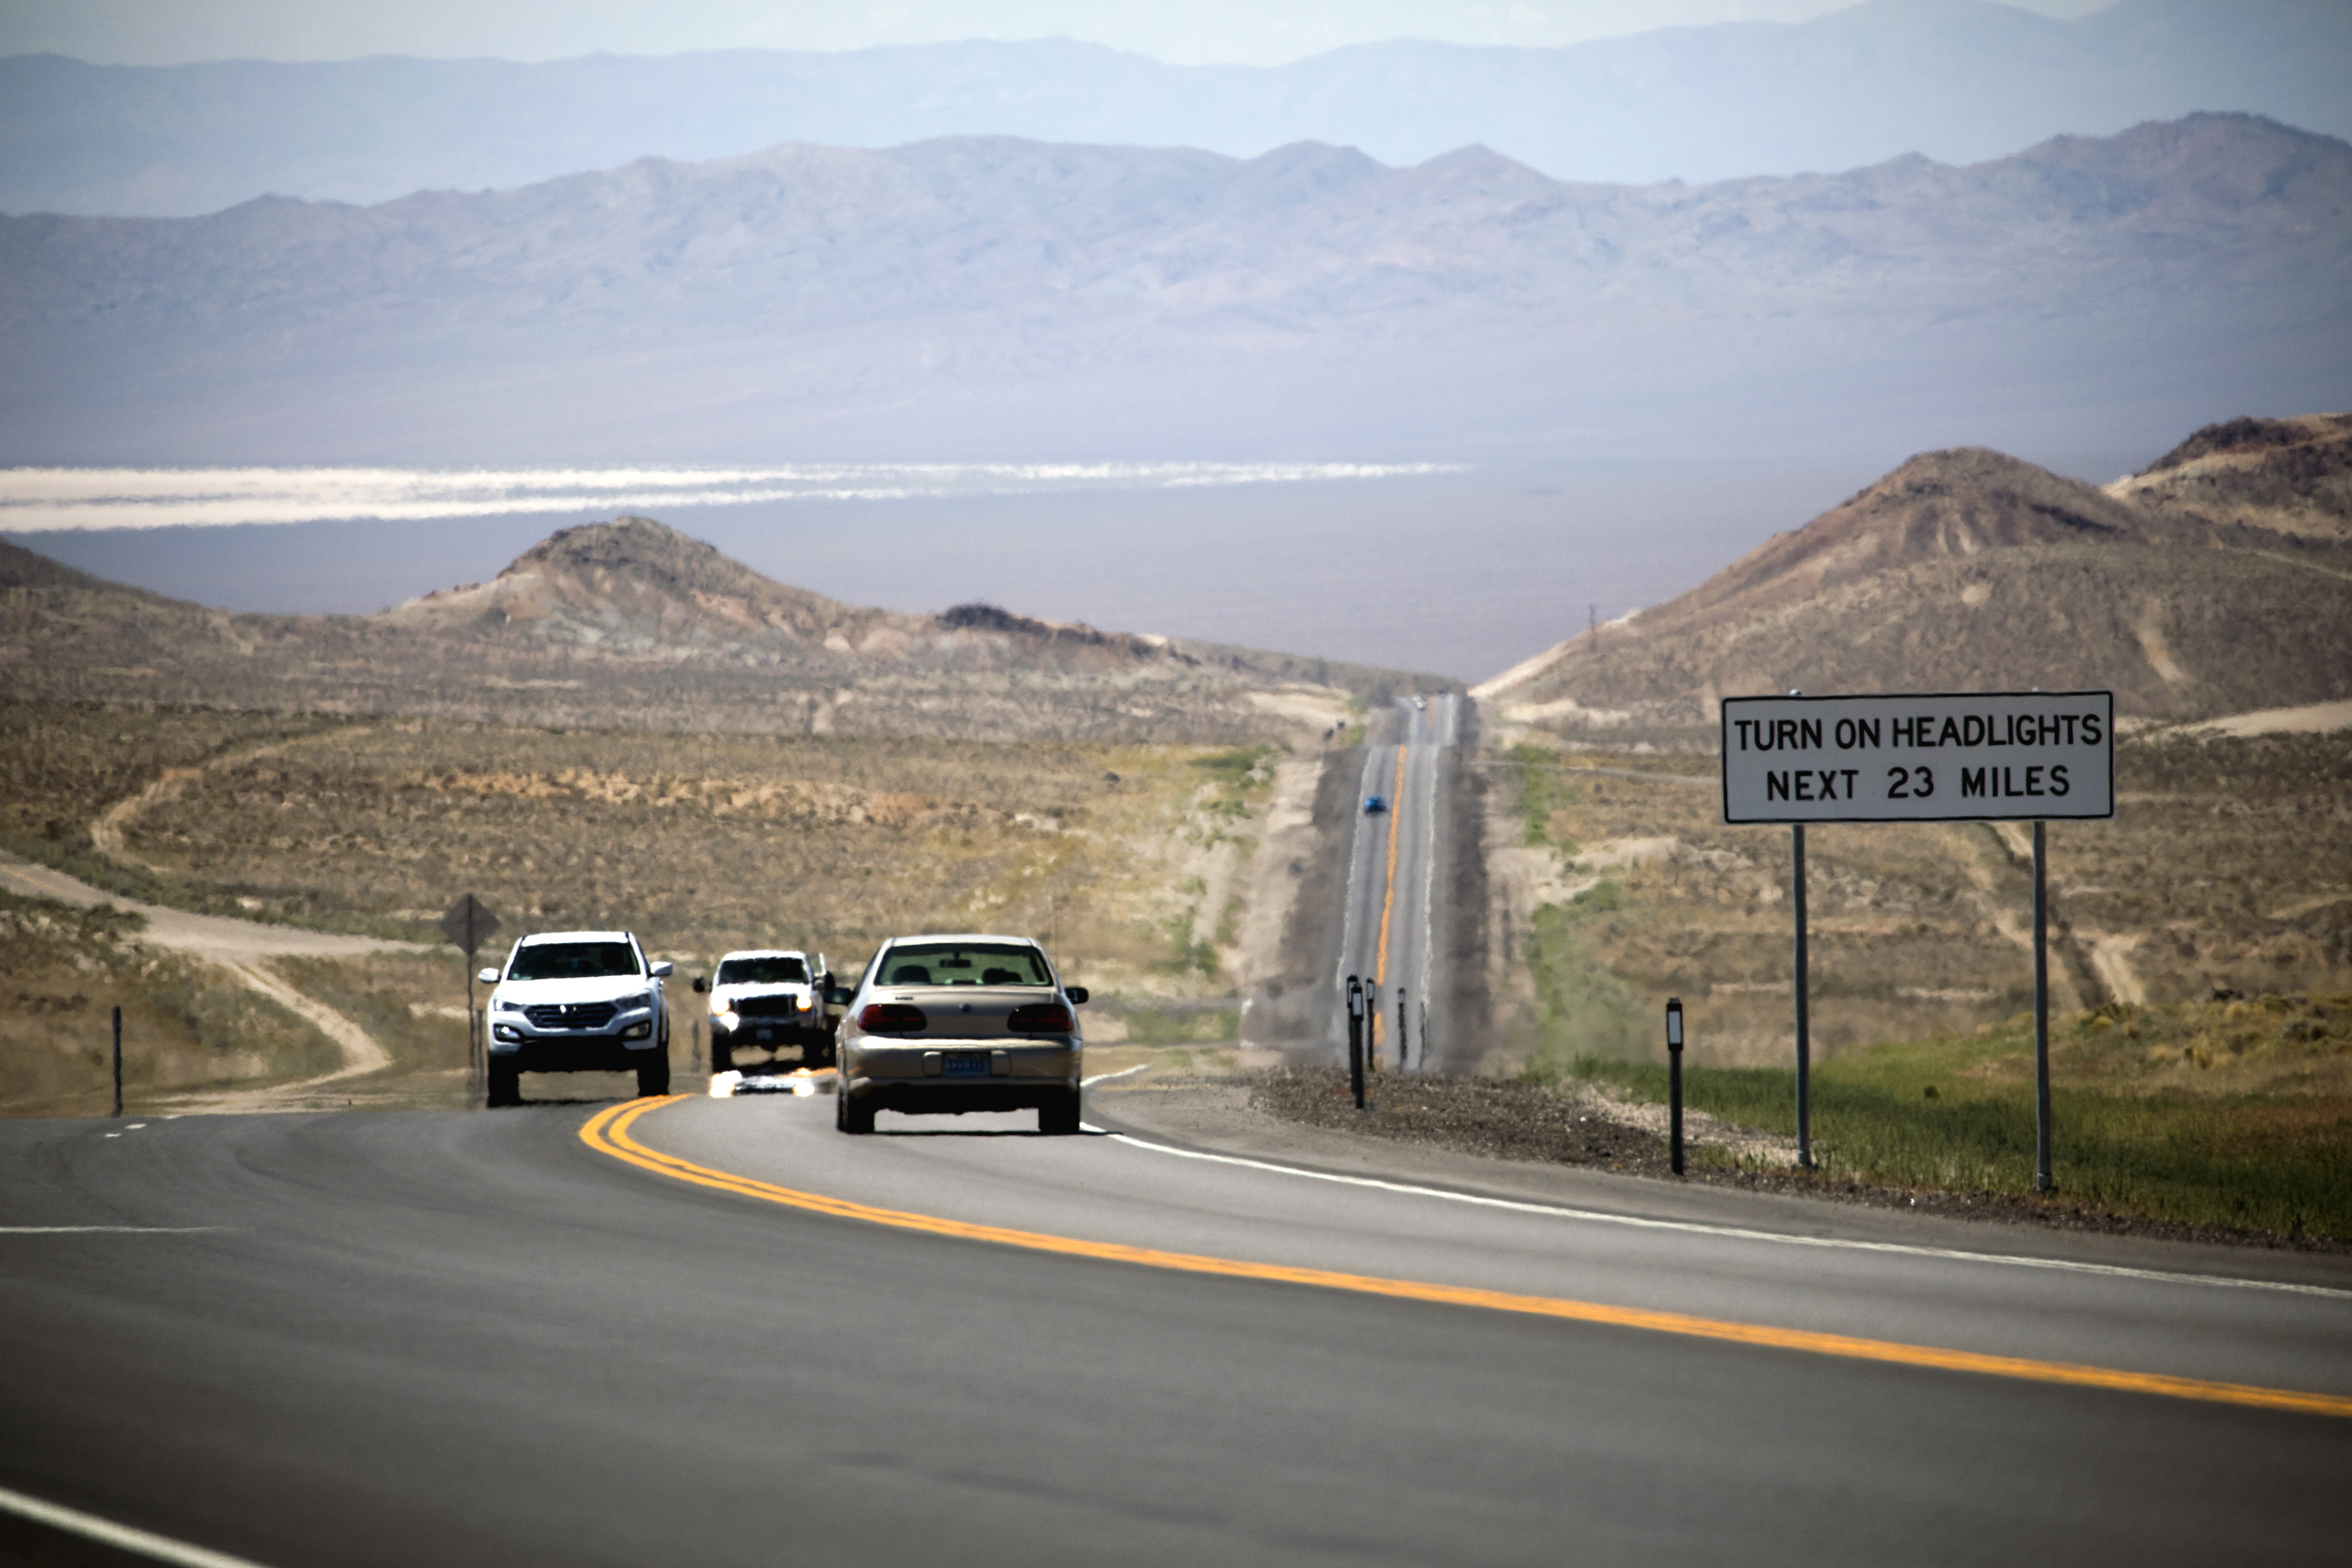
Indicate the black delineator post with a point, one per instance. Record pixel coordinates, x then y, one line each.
118 1061
1404 1042
2043 1180
1675 1081
1804 1020
1356 1039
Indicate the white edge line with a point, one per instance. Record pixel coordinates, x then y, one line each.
109 1229
1107 1077
160 1547
1738 1233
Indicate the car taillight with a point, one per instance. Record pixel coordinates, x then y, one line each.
891 1018
1040 1018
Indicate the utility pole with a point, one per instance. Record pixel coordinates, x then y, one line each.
1592 629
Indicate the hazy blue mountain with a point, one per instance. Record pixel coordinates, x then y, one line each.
990 297
1958 81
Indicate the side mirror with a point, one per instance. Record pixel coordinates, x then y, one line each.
836 995
1077 994
487 978
700 986
664 969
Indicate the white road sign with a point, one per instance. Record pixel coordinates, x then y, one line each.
1986 755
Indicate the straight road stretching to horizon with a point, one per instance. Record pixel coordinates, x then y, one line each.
716 1331
1394 881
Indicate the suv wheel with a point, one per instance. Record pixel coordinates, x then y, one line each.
505 1083
653 1076
1059 1117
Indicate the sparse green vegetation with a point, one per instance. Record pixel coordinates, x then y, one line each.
2234 1113
184 1026
1121 857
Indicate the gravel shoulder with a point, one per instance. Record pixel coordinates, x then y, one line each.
1513 1140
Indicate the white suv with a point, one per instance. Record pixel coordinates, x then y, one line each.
767 999
577 1001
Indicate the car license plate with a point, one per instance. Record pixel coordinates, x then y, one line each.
766 1034
965 1064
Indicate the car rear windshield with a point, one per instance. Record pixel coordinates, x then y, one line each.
573 961
763 971
965 964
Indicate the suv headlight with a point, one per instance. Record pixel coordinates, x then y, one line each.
631 1004
500 1005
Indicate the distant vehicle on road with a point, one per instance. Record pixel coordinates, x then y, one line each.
943 1025
577 1001
1374 804
1419 701
771 998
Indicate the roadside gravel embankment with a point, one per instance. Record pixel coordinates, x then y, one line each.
1581 1125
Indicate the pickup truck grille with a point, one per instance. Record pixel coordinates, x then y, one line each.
767 1007
577 1016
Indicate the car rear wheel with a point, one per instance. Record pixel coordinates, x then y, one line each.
851 1114
1059 1117
505 1083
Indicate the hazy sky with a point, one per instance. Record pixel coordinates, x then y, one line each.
1253 32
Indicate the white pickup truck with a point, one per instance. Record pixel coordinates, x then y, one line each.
769 999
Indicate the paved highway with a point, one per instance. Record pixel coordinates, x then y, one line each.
1394 885
716 1331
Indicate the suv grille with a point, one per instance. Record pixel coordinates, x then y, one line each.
767 1007
578 1016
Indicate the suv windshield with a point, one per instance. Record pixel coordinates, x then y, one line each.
965 964
762 971
572 961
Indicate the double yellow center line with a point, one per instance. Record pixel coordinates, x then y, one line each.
609 1133
1388 893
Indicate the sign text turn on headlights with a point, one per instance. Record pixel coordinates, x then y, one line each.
1990 754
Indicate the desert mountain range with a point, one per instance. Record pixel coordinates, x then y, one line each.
1960 80
632 625
987 296
2216 580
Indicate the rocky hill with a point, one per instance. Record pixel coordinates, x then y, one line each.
2292 477
2181 588
631 624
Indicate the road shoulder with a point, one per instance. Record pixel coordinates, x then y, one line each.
1216 1115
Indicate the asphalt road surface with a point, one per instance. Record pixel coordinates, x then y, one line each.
1393 887
477 1338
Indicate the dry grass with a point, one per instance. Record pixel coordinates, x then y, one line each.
1125 859
2227 866
183 1026
2236 1113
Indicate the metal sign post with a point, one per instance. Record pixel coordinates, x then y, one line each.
469 923
1356 1039
1674 1082
2043 1181
1989 756
1804 988
118 1061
